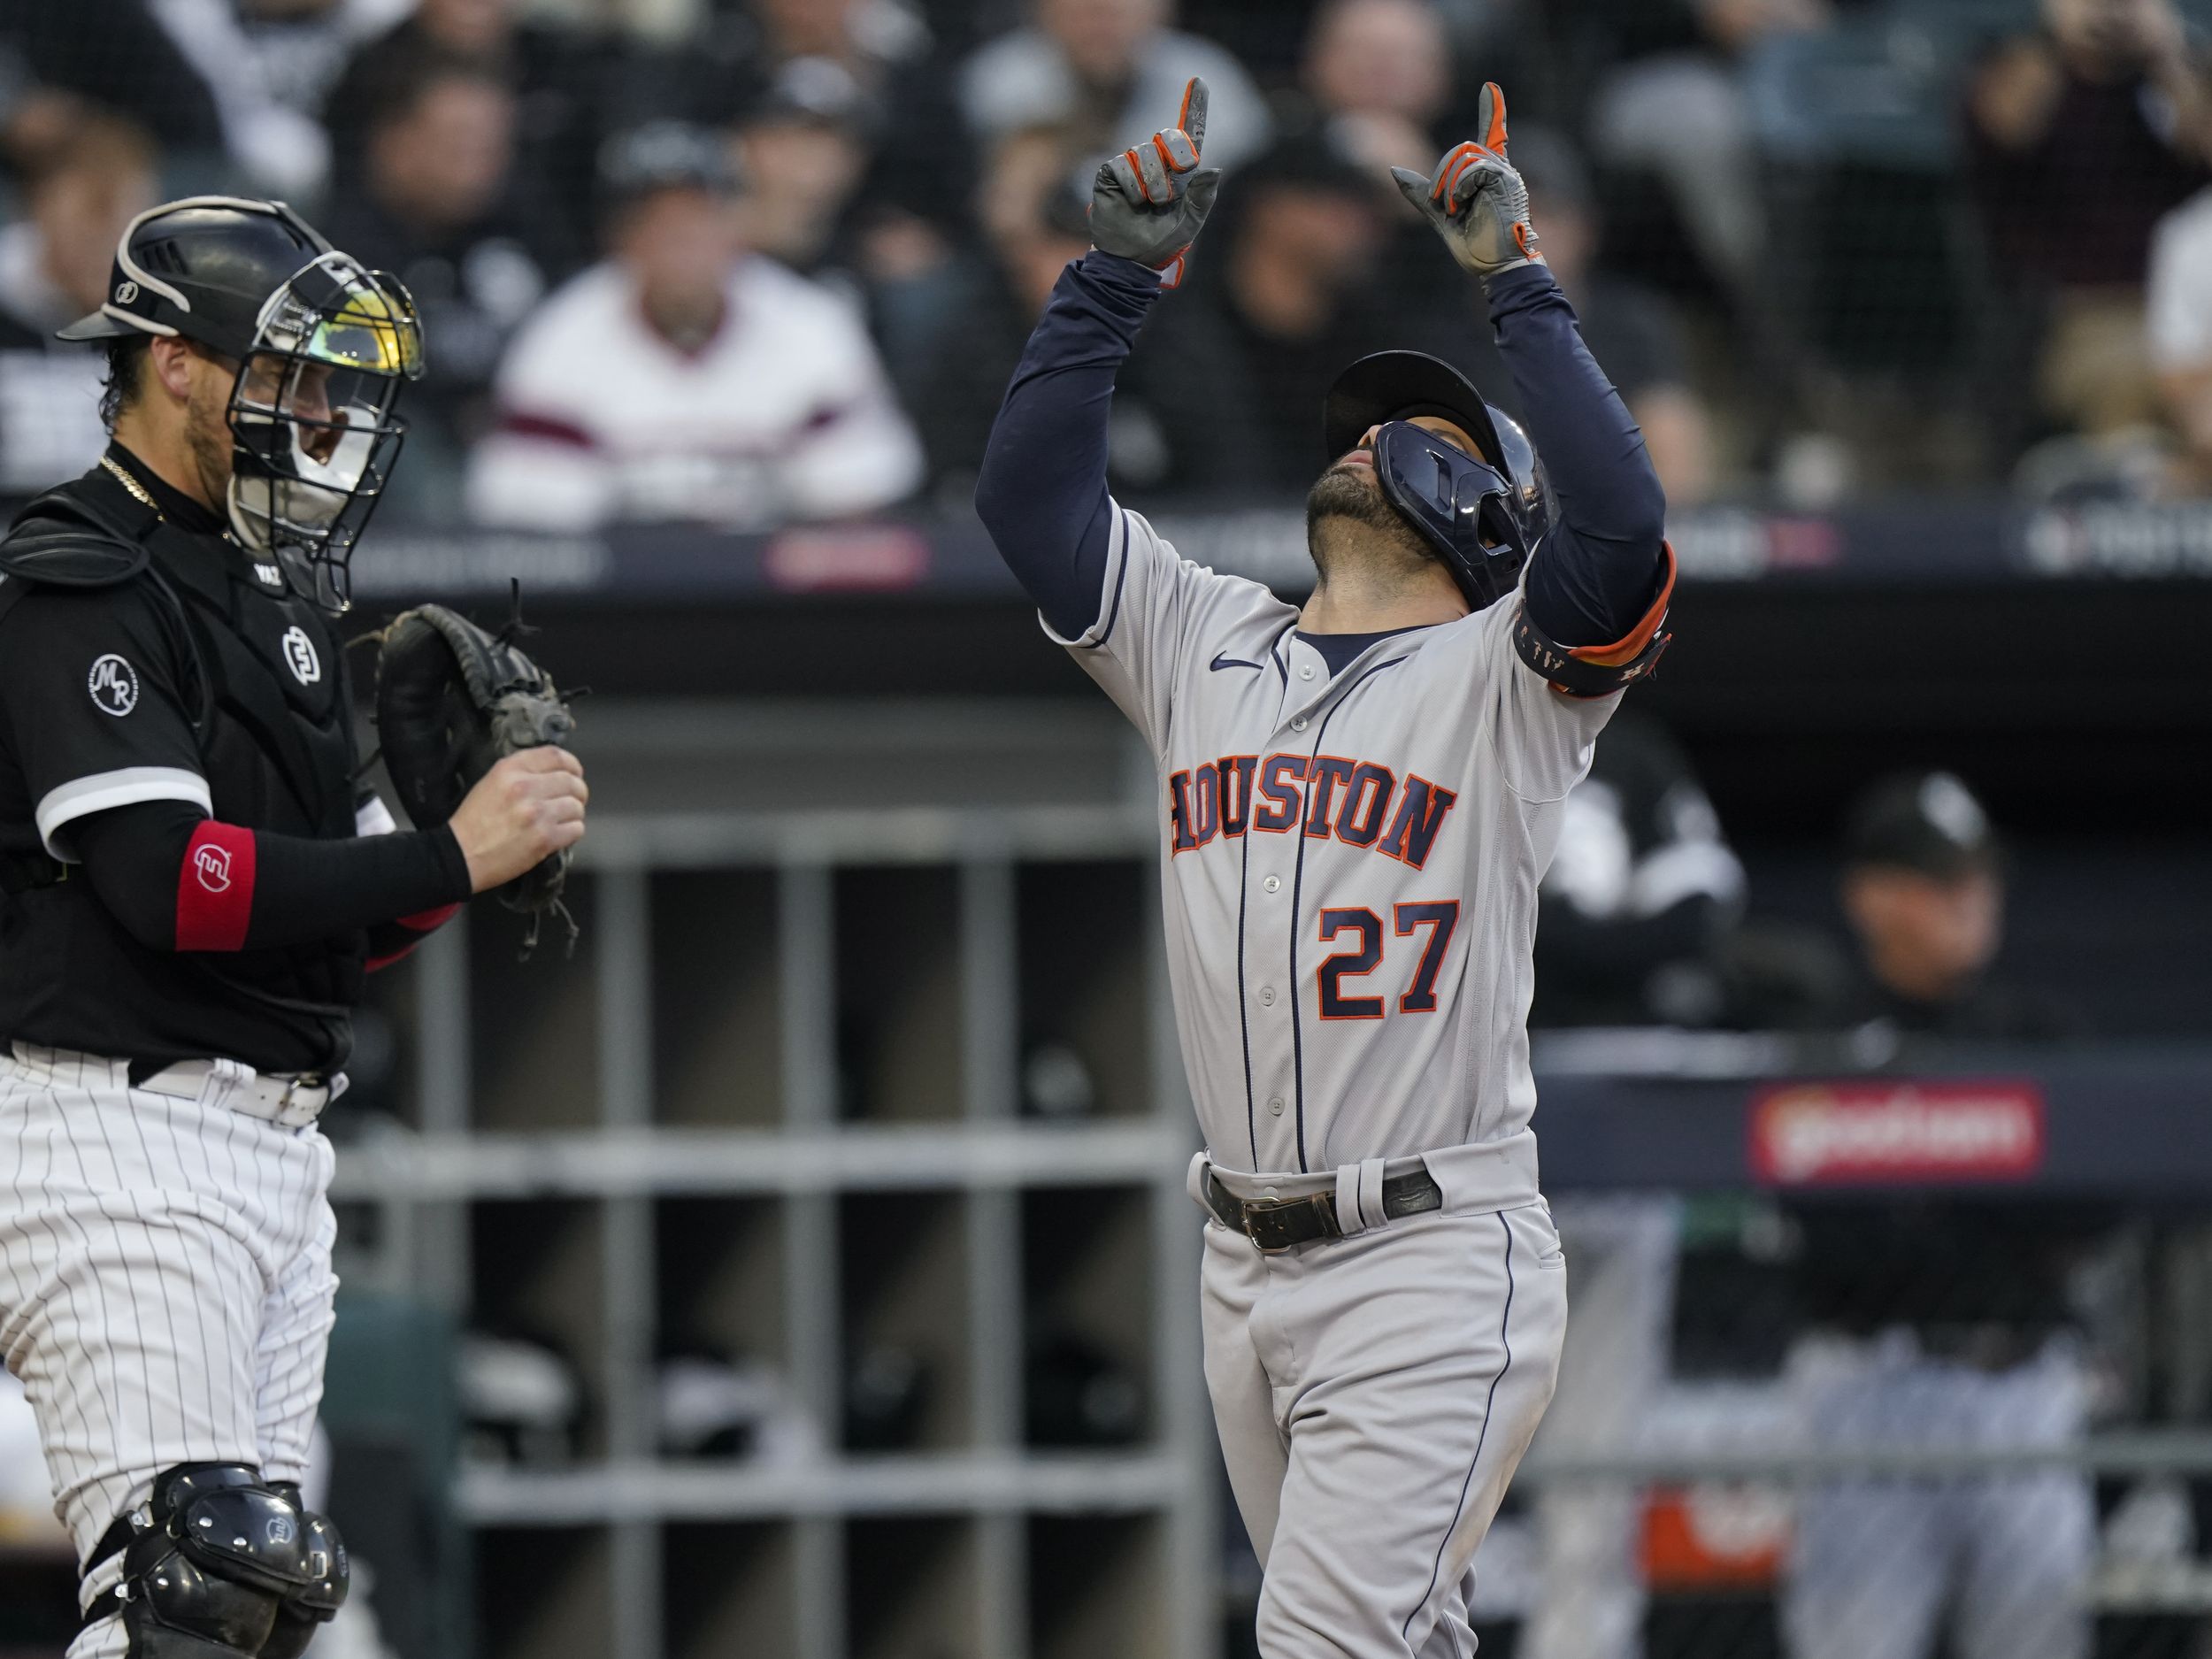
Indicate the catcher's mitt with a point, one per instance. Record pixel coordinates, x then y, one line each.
452 702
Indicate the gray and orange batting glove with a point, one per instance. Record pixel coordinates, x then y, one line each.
1475 198
1147 204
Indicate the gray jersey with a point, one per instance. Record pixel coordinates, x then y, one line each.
1350 865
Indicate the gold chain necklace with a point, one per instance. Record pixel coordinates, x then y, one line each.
137 489
141 493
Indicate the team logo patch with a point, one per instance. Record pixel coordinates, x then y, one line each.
213 866
125 292
113 684
299 653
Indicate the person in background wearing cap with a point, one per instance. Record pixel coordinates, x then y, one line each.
442 204
1939 1322
683 378
803 142
1922 887
869 69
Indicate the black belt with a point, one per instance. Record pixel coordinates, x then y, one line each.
1276 1223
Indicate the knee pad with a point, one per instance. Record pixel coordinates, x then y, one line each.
307 1611
223 1565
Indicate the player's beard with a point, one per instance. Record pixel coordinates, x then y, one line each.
1352 533
207 434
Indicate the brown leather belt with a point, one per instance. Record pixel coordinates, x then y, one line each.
1276 1223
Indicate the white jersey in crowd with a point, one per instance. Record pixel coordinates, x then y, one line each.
785 413
1350 866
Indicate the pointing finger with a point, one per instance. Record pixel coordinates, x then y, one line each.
1192 119
1490 116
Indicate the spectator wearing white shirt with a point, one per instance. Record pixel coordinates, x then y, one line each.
685 378
1099 68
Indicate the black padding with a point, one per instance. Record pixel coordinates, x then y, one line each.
306 1611
59 541
178 1606
221 1557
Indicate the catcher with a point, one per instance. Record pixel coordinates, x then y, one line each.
193 882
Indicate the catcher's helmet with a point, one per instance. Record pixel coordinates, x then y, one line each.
322 345
1484 514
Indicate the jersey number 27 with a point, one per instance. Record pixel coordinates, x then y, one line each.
1438 917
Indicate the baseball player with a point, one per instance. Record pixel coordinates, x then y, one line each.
1357 799
193 883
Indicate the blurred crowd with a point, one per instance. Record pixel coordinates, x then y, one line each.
737 261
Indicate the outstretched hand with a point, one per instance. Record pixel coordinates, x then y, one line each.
1476 200
1148 203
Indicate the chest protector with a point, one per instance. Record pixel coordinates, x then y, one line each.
263 683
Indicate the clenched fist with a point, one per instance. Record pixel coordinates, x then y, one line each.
522 811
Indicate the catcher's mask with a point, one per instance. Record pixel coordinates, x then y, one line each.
1484 514
323 346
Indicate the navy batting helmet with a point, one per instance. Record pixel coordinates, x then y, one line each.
1484 514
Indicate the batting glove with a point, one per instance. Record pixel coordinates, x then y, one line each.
1476 200
1147 204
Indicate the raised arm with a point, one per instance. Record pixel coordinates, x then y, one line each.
1041 492
1042 489
1604 564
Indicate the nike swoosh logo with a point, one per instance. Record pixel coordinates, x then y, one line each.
1227 661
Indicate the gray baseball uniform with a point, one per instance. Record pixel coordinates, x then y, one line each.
1352 832
1350 862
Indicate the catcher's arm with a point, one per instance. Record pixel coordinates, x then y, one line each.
177 880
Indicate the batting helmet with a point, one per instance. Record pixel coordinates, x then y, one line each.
322 345
1484 514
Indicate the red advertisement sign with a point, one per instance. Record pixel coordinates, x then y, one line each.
1875 1130
862 557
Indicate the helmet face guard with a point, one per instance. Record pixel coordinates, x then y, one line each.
1486 513
314 434
1464 508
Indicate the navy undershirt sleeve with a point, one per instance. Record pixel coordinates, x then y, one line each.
1041 492
1603 566
304 888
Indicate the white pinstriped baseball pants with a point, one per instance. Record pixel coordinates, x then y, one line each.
1374 1394
165 1286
